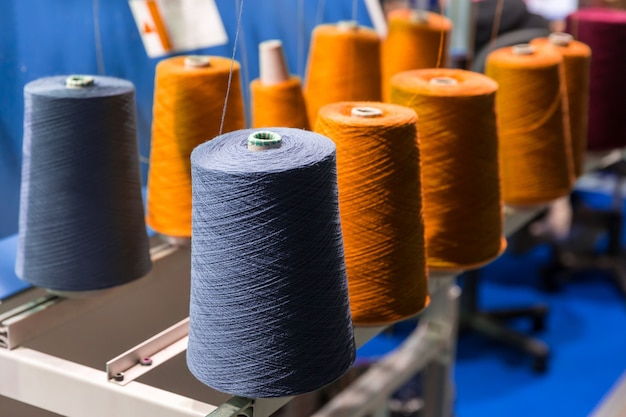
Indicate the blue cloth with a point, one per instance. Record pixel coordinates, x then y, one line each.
10 284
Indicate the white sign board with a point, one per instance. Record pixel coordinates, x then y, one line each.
169 26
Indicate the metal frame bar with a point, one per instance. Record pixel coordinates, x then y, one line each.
430 344
41 313
146 356
53 384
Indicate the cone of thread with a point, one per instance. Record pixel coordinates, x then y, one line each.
378 170
81 225
415 40
280 104
276 96
188 103
576 61
535 150
459 148
604 31
269 308
343 65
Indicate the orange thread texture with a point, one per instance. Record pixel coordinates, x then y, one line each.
280 104
188 105
378 170
576 64
459 148
344 65
413 44
535 150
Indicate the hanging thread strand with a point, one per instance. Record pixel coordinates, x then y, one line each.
232 64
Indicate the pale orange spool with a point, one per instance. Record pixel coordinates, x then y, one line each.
463 213
535 150
280 104
415 40
576 64
343 65
188 103
380 205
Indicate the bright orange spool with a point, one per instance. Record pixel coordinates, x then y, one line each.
459 147
378 170
188 103
535 150
280 104
415 40
343 65
576 64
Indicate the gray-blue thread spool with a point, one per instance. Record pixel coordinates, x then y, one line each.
81 222
269 311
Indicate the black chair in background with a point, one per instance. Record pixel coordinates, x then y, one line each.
517 26
577 253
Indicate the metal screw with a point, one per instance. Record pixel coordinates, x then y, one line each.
145 361
119 376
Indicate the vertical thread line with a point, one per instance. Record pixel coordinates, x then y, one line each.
232 63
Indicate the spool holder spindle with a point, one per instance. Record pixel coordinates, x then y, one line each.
365 111
79 81
263 140
197 61
444 81
524 49
348 25
560 38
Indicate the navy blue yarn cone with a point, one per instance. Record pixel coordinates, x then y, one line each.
81 224
269 313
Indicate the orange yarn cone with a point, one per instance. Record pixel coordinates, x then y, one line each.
343 65
576 64
416 39
459 146
278 104
380 203
188 102
535 150
276 97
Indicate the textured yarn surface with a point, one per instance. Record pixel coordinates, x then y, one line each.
343 65
459 148
269 312
280 104
413 44
576 61
81 222
604 30
188 105
378 164
534 140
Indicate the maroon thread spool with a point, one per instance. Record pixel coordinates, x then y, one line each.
604 30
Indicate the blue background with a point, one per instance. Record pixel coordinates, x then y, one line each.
40 38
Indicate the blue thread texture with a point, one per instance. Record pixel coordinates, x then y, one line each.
81 223
269 312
